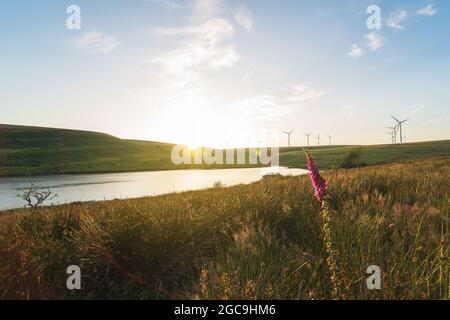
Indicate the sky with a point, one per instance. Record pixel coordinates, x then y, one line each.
228 72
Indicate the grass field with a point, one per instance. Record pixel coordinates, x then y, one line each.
372 155
57 151
258 241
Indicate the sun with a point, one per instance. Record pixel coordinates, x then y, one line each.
193 146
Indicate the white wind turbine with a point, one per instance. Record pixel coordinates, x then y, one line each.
393 133
289 136
399 124
307 137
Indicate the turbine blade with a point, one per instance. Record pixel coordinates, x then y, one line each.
395 118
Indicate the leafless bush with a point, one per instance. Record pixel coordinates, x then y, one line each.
35 196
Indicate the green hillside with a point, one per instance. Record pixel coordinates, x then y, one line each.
49 151
46 150
56 151
371 155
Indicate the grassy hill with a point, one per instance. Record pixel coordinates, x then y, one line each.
371 155
258 241
49 151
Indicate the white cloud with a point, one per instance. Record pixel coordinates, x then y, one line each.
205 43
355 51
436 121
417 109
396 19
202 47
276 104
205 9
428 11
187 75
244 17
95 42
375 41
212 31
298 94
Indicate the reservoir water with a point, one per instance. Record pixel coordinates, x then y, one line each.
90 187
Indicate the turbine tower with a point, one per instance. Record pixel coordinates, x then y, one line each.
399 124
329 139
307 137
393 133
289 136
318 139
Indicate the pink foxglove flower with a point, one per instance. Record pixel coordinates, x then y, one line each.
319 183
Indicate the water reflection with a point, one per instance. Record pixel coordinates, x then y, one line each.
88 187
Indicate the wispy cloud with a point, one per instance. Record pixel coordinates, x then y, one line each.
355 51
202 47
375 41
198 51
95 42
396 19
212 31
276 104
417 109
436 121
244 17
298 94
205 9
427 11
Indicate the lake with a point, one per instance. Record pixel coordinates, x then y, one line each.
90 187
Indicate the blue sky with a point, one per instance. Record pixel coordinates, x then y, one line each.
227 72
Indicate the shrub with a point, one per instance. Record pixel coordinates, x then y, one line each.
351 160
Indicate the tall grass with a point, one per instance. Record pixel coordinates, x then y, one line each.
261 241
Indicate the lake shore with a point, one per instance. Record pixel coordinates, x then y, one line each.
91 187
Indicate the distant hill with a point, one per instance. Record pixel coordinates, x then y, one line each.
49 150
56 151
371 155
39 150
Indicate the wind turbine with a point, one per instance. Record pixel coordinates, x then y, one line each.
393 133
392 136
399 123
289 136
307 137
318 139
329 139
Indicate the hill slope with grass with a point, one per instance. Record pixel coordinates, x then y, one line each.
53 151
258 241
38 150
371 155
57 151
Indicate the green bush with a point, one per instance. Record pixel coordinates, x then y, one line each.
350 160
